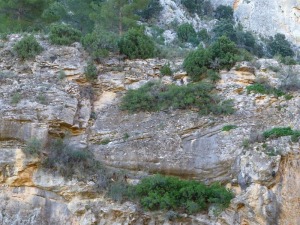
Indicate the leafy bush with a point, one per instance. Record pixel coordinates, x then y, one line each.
155 96
186 33
62 34
152 10
204 36
69 162
42 99
16 98
226 53
221 54
165 70
28 47
118 191
279 45
197 63
170 193
295 136
282 131
201 7
105 141
91 72
229 127
288 60
264 89
278 132
100 43
225 28
223 12
33 147
136 45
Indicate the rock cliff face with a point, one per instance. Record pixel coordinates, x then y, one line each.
180 142
265 18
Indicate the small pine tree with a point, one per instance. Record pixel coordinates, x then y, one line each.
279 45
62 34
28 47
186 33
136 45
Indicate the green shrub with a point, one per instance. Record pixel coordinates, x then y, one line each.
223 12
16 98
246 143
229 127
186 33
225 51
62 34
136 45
33 147
165 70
28 47
91 72
213 75
288 60
70 162
201 7
278 132
170 193
204 36
105 141
279 45
155 96
42 99
118 191
264 89
100 43
295 136
197 63
225 28
61 75
222 54
152 10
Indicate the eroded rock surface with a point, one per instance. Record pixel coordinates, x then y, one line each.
173 142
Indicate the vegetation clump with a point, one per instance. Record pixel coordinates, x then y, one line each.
220 55
170 193
16 98
69 162
91 72
229 127
264 89
155 96
137 45
186 33
100 43
33 147
165 70
278 132
200 7
28 47
63 34
279 45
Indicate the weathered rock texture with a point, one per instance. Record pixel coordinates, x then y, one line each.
179 142
268 17
265 18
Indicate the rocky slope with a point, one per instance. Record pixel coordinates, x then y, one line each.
180 143
265 18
